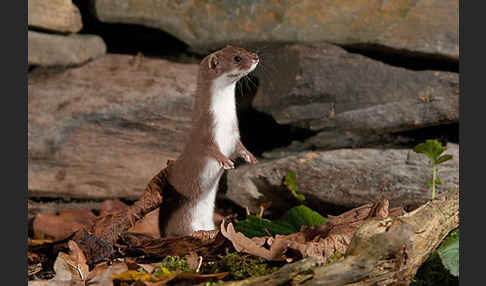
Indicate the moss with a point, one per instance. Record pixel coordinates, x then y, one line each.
172 264
241 266
212 283
335 257
432 273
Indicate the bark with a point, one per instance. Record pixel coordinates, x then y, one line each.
383 251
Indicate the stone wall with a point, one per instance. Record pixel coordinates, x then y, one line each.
343 91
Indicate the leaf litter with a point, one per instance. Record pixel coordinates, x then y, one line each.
119 246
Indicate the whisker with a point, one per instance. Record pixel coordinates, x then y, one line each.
250 81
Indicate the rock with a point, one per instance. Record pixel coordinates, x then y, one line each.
54 15
350 99
104 129
60 50
428 27
344 178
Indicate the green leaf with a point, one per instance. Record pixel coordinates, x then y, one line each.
431 148
291 182
299 216
292 176
449 252
300 197
438 181
254 226
289 223
444 158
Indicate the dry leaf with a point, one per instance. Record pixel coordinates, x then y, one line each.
63 269
320 242
192 260
79 259
71 266
176 246
35 242
196 276
130 275
34 268
82 216
55 227
103 279
244 244
205 234
95 249
148 225
102 273
112 206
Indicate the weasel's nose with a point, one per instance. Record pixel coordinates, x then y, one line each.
254 57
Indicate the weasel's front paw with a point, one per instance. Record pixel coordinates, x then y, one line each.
226 163
248 157
205 234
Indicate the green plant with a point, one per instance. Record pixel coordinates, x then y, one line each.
442 266
240 267
433 273
290 181
172 263
289 223
449 252
433 149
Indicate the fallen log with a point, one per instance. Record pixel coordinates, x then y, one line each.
382 252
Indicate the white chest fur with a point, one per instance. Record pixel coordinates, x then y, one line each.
223 108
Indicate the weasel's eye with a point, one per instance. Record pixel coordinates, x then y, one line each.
237 59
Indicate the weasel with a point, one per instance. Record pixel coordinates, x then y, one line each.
214 140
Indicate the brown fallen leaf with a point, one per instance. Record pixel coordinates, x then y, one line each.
71 266
207 245
32 258
244 244
34 268
380 209
196 276
150 280
103 279
48 226
95 249
148 225
321 242
78 259
112 206
192 260
110 226
82 216
35 242
132 275
102 273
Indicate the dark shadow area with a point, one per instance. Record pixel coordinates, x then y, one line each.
444 133
259 131
404 59
133 39
433 273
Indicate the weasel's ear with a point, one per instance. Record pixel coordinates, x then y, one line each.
213 62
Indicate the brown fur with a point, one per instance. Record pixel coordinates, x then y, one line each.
185 172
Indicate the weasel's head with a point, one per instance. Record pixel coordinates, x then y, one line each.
228 65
